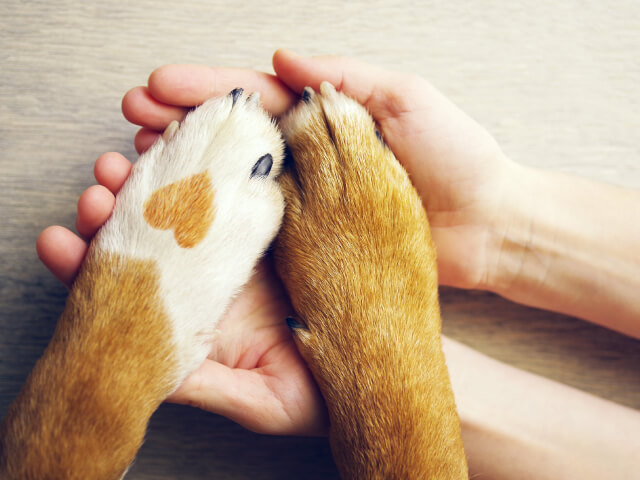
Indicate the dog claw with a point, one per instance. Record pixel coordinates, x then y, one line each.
307 94
293 324
170 131
262 166
327 89
254 98
236 93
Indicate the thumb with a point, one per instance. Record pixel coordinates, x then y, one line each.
357 79
388 95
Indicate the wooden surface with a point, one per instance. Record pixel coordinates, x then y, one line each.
558 84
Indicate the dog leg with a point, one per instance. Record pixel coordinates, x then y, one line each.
189 225
356 256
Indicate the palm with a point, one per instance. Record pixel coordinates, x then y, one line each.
254 374
254 322
255 343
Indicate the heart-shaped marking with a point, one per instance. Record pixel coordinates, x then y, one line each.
185 206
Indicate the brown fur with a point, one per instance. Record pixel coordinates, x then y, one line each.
185 206
356 257
83 412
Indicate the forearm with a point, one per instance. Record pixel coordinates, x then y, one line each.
519 425
570 245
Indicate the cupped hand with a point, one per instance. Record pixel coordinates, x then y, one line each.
457 167
254 374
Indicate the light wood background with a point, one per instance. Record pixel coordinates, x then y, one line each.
558 84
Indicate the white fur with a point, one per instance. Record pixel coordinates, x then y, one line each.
197 284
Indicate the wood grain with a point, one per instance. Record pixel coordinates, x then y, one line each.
558 84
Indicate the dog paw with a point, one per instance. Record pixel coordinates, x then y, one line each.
354 225
356 257
199 209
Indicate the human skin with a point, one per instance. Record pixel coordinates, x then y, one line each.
492 228
516 425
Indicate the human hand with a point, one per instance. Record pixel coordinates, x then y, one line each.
254 374
533 236
458 169
266 386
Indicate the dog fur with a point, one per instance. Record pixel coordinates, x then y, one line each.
198 210
356 256
188 227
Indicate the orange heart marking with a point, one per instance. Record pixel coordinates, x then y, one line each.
185 206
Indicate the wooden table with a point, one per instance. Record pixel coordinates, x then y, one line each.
557 83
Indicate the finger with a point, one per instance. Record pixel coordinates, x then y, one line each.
111 170
404 106
94 208
384 93
356 79
141 108
61 251
189 85
144 139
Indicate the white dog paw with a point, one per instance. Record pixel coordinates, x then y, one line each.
199 209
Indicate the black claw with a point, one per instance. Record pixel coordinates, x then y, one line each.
287 161
236 93
306 95
292 323
262 166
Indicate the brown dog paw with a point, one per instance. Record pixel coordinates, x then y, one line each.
356 256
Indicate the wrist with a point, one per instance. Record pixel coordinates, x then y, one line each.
511 230
507 221
567 244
